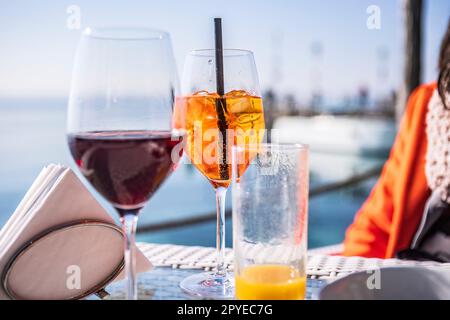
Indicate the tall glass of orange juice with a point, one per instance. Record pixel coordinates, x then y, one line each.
270 209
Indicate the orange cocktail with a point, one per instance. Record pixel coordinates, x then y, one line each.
220 108
244 121
270 282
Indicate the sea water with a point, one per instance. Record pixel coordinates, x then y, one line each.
32 134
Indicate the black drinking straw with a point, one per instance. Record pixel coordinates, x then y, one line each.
221 103
219 55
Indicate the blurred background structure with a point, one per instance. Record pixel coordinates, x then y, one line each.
334 74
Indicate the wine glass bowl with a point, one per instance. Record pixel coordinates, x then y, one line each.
125 167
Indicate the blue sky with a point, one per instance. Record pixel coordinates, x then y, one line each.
37 48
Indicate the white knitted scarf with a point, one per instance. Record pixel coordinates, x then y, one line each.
437 167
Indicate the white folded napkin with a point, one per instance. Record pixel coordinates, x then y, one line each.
58 197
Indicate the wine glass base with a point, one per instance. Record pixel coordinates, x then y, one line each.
209 285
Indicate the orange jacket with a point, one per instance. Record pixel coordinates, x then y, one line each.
389 218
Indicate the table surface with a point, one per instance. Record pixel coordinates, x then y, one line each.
173 263
162 283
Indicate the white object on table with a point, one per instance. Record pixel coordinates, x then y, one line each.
57 198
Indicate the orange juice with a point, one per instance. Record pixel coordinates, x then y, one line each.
270 282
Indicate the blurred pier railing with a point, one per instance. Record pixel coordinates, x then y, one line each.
313 192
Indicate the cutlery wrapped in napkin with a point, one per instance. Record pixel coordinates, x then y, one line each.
60 243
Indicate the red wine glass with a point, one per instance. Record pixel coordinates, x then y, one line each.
119 121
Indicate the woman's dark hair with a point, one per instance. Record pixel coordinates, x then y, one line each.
444 67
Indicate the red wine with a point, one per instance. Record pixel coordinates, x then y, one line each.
126 167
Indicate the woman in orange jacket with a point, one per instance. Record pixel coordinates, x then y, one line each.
417 171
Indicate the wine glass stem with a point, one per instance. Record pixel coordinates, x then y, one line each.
129 222
221 193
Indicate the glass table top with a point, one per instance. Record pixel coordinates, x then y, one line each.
162 283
